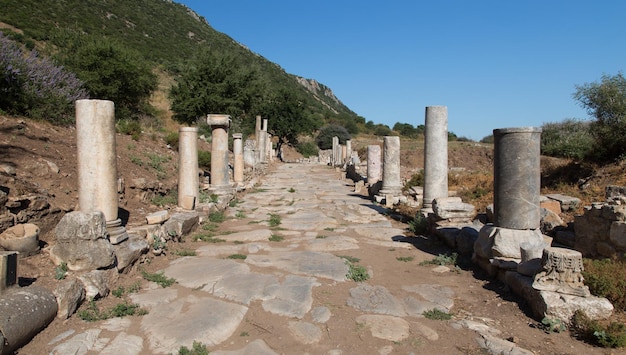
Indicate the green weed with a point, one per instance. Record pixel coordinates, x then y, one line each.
436 314
404 258
159 278
237 256
276 238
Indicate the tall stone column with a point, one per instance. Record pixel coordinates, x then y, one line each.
435 155
374 171
517 177
238 158
219 150
335 158
349 150
188 180
97 163
391 166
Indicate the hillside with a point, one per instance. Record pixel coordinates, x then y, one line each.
164 32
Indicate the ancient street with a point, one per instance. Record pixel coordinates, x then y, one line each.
291 293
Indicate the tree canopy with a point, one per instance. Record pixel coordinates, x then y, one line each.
605 101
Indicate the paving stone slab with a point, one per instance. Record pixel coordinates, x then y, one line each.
197 272
375 299
193 318
304 263
438 294
385 327
304 332
257 347
292 298
333 243
124 344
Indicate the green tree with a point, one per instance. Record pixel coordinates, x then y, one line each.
325 136
215 83
406 129
605 101
287 118
110 72
568 139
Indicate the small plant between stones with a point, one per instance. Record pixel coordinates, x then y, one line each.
419 224
196 349
442 259
404 258
274 220
552 325
356 273
238 256
60 271
92 313
276 238
436 314
159 278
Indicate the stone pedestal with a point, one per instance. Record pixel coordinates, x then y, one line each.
374 164
435 155
219 150
391 167
188 178
238 158
97 163
517 178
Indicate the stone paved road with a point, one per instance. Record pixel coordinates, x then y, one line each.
292 296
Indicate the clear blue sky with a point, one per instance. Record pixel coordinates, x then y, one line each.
495 64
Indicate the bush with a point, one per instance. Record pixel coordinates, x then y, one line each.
487 139
307 149
172 140
325 136
568 139
33 86
204 159
129 127
607 278
382 130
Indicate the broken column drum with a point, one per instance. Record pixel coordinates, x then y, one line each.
435 154
219 149
188 180
97 162
517 179
391 166
374 173
238 157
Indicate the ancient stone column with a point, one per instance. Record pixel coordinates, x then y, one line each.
344 153
334 159
435 155
219 150
374 172
349 150
97 163
188 177
238 158
391 166
517 178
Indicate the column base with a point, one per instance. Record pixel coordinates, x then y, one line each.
117 232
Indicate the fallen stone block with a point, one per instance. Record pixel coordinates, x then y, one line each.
69 295
567 203
129 252
180 224
452 207
157 217
82 242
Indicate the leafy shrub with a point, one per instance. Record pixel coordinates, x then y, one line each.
274 220
612 335
487 139
204 159
357 273
382 130
60 271
197 349
607 278
34 86
110 71
307 149
129 127
442 259
325 136
172 139
568 139
419 224
415 180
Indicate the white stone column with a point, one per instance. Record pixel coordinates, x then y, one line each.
219 150
391 166
349 151
238 158
188 180
435 155
374 171
97 163
335 158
